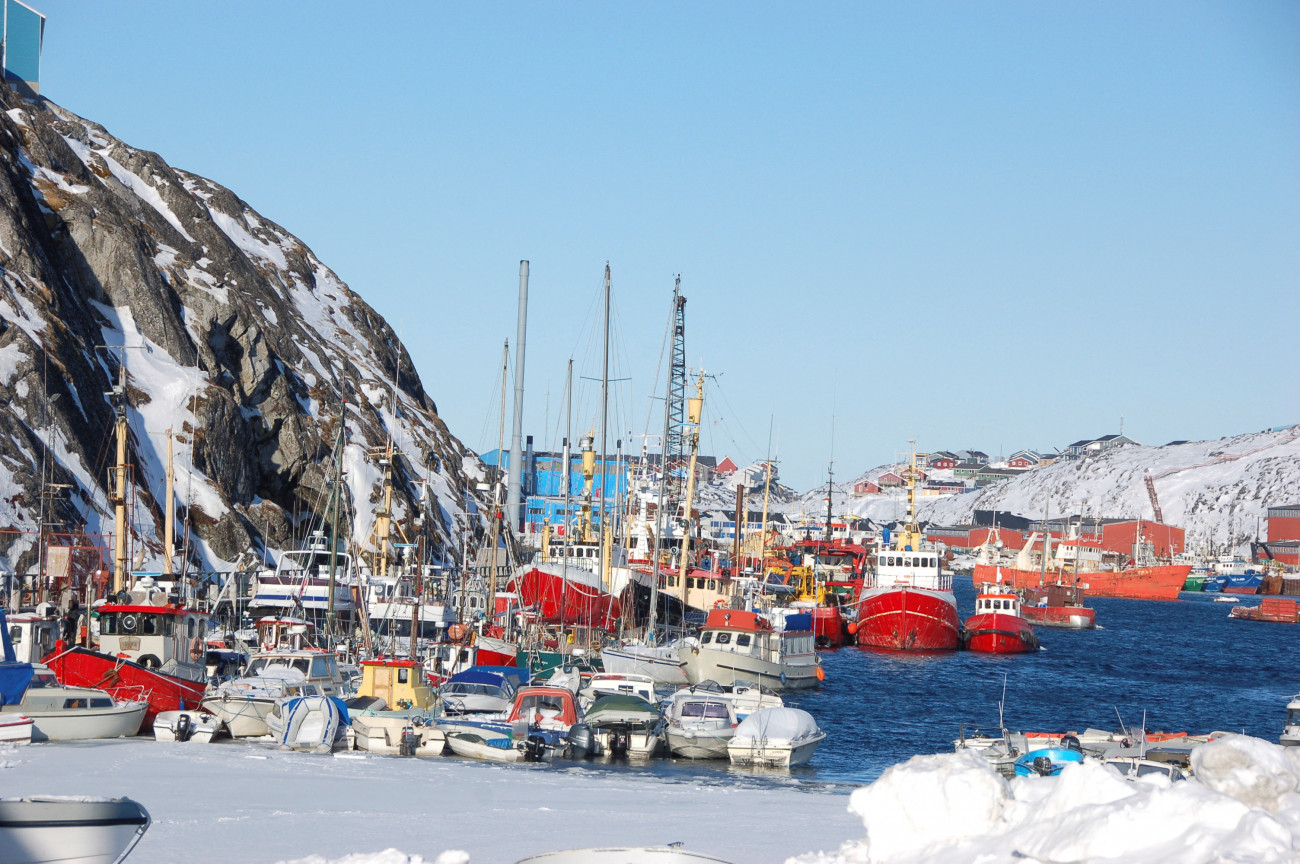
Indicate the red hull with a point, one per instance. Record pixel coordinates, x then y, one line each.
908 619
81 667
1253 589
568 603
994 633
828 627
1137 583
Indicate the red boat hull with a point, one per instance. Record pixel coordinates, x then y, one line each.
1137 583
999 633
1072 617
908 619
123 679
566 602
829 627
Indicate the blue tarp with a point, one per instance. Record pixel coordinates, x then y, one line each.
517 674
14 678
478 675
796 623
4 636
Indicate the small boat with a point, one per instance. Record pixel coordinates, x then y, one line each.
623 724
1226 598
745 697
640 855
1048 761
1291 731
314 723
775 737
539 711
496 746
699 725
476 691
1279 610
663 664
15 729
997 627
611 683
197 726
41 830
1136 767
407 728
1057 604
60 713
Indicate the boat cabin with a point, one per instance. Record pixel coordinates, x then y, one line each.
545 706
606 683
150 630
285 634
315 667
741 632
911 568
400 683
991 602
34 634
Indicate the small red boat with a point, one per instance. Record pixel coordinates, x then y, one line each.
997 626
1057 605
149 649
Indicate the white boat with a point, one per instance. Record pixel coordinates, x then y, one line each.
745 697
60 713
736 645
15 729
314 723
69 830
1226 598
615 683
243 703
476 692
1137 767
623 855
623 724
300 582
197 726
699 725
408 730
775 737
1291 731
490 746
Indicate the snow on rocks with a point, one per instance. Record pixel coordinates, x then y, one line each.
955 808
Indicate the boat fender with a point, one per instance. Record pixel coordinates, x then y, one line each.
853 628
149 661
821 674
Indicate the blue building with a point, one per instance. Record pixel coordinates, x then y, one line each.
23 34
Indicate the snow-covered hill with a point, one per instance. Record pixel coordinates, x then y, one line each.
1218 491
233 334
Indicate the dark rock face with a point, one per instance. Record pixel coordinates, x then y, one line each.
236 338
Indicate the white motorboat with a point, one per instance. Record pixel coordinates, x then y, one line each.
1291 731
490 746
746 698
60 713
1136 767
182 726
641 855
736 645
407 730
243 703
623 724
476 692
69 830
617 683
15 729
775 737
699 725
314 723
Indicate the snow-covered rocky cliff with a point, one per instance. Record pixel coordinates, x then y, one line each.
235 336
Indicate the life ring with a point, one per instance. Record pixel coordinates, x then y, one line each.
720 604
129 622
196 649
455 632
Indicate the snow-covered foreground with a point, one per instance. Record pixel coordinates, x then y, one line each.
248 804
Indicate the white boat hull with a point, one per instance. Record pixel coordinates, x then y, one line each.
381 733
15 729
202 726
80 724
243 718
643 855
699 743
664 665
727 667
640 745
464 745
69 831
773 753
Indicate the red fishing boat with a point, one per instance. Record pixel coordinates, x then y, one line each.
149 648
906 603
566 595
997 627
1057 604
1161 582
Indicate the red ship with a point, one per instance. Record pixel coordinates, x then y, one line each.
1162 582
997 627
566 595
148 649
1057 605
907 603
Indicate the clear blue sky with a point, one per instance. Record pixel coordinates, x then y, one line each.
992 225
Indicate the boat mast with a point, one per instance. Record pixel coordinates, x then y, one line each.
335 497
604 422
767 489
514 456
1047 544
567 543
694 410
169 514
661 506
118 498
514 490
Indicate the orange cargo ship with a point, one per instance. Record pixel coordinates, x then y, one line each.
1162 582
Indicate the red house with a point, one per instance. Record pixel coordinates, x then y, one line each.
941 462
725 468
865 487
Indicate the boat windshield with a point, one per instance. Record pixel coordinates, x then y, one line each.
705 709
264 664
43 679
464 688
1292 716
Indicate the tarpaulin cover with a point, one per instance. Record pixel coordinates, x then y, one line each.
775 724
14 678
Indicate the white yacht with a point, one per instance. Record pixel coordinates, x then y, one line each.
60 713
1291 731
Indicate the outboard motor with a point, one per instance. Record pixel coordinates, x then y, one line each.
618 741
410 742
184 727
1070 742
1042 766
579 741
535 748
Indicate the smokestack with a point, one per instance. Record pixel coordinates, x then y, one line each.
514 486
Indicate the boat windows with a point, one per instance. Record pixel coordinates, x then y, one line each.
742 640
713 585
191 626
76 703
706 638
43 679
723 638
403 676
320 667
102 702
705 710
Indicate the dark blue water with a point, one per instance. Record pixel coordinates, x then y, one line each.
1186 664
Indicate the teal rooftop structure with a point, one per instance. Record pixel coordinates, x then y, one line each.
24 31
